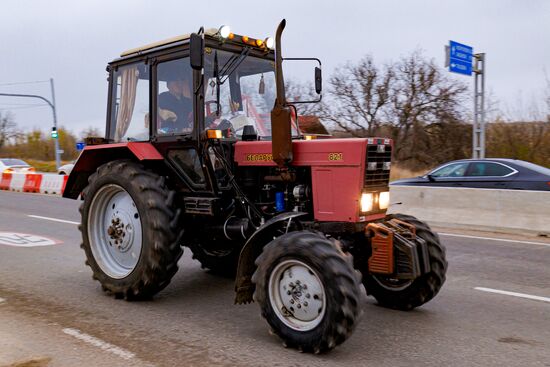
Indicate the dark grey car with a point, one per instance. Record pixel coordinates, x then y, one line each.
490 173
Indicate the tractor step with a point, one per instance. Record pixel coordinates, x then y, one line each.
199 205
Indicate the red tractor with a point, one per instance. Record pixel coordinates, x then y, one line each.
203 150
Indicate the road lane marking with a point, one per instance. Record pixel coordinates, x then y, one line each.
92 340
25 240
53 219
494 239
514 294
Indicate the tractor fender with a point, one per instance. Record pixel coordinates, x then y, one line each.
244 287
94 156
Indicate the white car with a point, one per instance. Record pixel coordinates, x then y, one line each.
66 169
9 165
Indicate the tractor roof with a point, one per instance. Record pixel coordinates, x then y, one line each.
213 33
151 46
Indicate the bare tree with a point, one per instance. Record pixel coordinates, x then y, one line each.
411 101
421 95
357 96
8 128
299 91
520 140
91 131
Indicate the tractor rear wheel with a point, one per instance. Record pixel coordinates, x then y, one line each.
408 294
130 230
308 291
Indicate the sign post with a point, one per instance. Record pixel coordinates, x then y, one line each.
479 106
459 57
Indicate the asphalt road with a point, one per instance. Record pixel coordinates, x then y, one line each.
51 309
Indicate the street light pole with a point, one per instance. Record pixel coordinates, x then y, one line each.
52 105
57 158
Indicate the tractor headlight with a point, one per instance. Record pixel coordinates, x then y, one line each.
367 202
224 31
269 43
384 200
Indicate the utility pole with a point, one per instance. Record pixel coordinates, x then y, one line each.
478 143
52 105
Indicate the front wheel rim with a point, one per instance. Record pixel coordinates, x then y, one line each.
115 231
297 295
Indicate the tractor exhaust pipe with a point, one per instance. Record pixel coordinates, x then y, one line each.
281 140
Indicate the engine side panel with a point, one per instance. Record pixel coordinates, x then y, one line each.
336 193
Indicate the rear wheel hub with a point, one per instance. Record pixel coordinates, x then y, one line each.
115 232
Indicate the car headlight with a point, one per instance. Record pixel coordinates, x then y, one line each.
367 201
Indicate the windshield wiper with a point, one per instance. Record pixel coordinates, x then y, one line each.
227 69
233 63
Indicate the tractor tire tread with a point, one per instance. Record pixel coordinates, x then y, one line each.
160 263
346 290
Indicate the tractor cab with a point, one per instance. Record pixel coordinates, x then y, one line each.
156 95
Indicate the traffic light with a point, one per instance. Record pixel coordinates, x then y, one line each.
55 134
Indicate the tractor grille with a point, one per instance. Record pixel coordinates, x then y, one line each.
379 176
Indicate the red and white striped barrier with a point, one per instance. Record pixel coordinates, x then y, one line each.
44 183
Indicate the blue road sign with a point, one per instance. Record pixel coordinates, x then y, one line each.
80 145
460 67
460 58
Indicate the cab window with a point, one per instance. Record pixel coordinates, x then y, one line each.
175 97
130 103
451 170
239 90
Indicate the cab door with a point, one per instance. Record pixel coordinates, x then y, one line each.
174 129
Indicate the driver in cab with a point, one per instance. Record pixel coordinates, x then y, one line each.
176 105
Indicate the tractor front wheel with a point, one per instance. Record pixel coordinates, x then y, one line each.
408 294
308 291
130 230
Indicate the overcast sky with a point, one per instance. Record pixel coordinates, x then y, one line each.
72 41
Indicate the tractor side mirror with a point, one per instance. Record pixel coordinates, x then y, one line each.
308 87
196 51
318 80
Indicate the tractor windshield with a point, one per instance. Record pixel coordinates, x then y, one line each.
240 91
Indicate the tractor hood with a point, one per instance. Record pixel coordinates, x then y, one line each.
322 152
